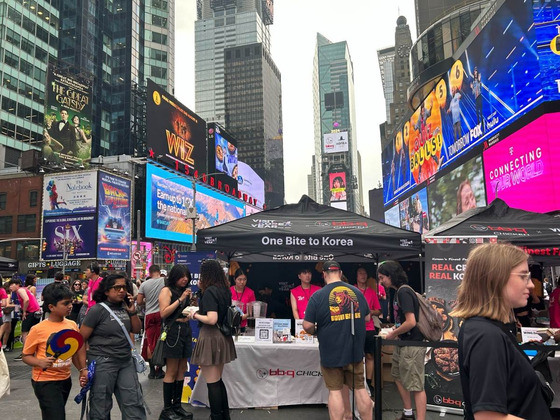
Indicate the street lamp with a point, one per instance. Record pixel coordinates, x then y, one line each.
67 228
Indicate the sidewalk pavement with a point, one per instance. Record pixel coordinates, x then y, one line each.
21 404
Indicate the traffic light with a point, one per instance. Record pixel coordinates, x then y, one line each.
44 246
72 250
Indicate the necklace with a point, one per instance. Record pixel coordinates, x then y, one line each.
237 294
306 293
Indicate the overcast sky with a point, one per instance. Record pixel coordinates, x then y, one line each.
367 25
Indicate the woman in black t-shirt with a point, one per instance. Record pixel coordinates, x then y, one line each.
497 378
213 349
177 347
77 301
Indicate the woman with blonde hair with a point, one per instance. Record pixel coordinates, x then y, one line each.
497 378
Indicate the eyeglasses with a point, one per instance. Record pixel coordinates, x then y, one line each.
118 287
524 276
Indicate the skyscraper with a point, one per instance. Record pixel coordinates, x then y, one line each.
395 71
119 45
28 42
238 85
337 172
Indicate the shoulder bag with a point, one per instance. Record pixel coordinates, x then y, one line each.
139 361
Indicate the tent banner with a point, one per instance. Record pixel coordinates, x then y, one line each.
446 259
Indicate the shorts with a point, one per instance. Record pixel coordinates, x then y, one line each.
29 321
369 345
408 367
351 375
178 344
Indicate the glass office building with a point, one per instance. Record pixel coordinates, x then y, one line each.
28 42
335 117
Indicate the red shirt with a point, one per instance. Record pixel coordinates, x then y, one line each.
302 297
33 305
244 297
373 303
554 308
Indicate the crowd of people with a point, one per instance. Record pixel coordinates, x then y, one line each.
497 295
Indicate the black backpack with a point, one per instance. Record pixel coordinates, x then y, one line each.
231 322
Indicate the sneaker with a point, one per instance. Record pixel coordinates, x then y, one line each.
7 350
19 357
405 417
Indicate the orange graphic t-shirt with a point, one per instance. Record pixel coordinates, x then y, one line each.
36 344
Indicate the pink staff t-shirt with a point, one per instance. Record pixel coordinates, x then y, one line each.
302 298
244 297
373 303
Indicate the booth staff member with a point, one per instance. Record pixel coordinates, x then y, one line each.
241 293
299 296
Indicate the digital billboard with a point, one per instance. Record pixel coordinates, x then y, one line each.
547 20
495 81
413 212
69 193
335 142
176 136
77 232
522 169
113 232
337 186
250 183
67 122
170 196
222 156
458 191
392 216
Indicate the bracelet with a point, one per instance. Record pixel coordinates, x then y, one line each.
133 313
84 368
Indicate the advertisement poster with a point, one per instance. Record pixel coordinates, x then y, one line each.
456 192
113 233
141 259
67 124
222 157
392 216
69 193
445 265
335 142
495 81
77 232
413 212
337 186
169 200
176 136
250 183
522 169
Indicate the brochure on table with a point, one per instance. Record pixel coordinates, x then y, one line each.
302 336
282 331
263 330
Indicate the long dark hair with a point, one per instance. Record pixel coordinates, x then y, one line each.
105 284
393 270
177 272
212 274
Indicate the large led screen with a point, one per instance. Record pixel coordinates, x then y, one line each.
222 156
176 136
496 80
250 183
113 232
69 193
337 186
170 196
392 216
458 191
522 169
547 21
413 212
335 142
67 122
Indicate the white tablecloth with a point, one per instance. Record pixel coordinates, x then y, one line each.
267 375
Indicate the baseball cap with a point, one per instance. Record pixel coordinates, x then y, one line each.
331 266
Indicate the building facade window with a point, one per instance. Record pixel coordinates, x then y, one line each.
26 222
33 198
3 201
5 224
